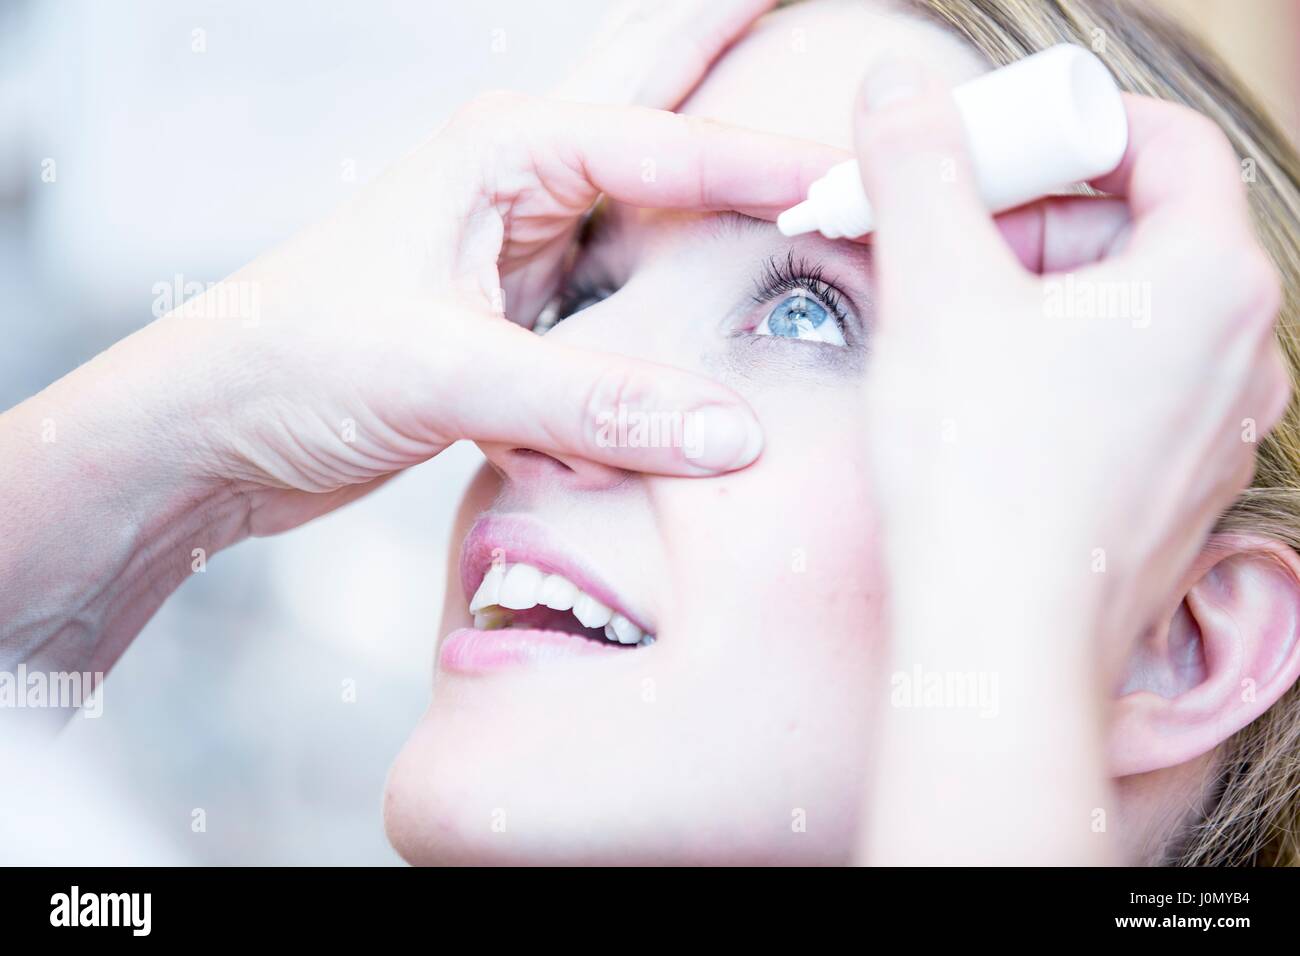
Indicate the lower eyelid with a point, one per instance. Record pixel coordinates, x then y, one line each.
764 312
770 359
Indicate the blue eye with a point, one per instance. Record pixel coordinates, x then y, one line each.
800 316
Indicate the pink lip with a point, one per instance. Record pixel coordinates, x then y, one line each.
470 651
517 539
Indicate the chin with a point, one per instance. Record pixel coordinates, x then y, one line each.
489 786
427 826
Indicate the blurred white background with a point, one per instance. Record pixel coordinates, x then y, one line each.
184 152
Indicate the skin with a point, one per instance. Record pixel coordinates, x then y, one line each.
754 729
744 734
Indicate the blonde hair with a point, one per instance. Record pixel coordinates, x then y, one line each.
1254 817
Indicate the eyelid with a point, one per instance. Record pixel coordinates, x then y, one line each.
783 276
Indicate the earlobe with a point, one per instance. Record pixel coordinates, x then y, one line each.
1221 658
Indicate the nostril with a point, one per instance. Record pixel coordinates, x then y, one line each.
527 455
521 465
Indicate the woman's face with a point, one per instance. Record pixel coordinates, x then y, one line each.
741 733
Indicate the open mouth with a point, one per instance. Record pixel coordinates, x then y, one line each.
534 601
522 596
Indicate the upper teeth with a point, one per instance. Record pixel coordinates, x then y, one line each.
519 587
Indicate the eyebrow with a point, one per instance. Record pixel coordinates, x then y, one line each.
601 227
729 222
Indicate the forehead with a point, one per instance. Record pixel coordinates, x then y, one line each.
797 71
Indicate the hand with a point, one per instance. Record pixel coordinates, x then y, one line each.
374 340
1097 381
381 340
1074 376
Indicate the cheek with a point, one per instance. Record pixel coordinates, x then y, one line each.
781 558
777 611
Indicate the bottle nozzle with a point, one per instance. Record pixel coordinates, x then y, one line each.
797 220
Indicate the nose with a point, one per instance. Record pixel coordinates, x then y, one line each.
527 467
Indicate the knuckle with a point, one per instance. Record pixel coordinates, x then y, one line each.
491 126
611 390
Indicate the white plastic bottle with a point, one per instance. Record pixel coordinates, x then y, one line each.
1042 123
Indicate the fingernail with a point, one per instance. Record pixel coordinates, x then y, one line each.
888 82
724 439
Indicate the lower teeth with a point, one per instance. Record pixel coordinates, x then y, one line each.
492 618
496 618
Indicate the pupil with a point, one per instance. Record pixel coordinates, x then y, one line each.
797 314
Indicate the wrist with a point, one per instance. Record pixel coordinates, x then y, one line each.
116 497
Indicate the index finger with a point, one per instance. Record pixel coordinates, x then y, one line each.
656 159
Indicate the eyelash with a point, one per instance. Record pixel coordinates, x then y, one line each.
783 276
566 302
582 290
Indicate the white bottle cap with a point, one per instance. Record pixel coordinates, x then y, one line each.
1034 127
1042 123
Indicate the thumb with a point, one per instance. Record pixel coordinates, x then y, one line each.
931 225
621 412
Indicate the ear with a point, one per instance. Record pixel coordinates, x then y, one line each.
1225 652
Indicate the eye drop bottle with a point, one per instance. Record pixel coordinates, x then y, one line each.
1034 127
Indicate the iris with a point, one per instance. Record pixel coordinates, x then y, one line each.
796 316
